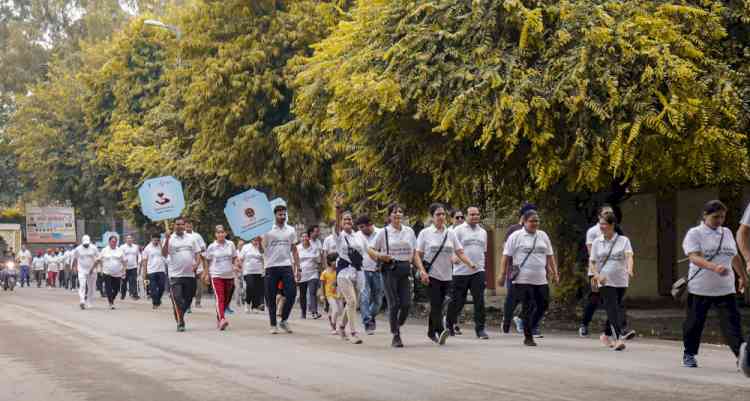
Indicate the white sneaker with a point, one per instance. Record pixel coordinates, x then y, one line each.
274 330
247 309
283 325
88 305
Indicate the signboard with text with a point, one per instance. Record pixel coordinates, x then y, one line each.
50 225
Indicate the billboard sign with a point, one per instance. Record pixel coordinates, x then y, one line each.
50 225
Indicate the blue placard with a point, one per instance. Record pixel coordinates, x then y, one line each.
249 214
162 198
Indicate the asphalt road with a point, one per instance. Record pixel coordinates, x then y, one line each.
51 350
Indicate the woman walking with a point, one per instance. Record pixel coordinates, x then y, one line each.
351 249
154 270
529 255
713 264
611 267
436 246
113 268
395 249
222 259
309 261
251 261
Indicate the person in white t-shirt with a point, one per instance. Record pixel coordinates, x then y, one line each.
308 278
436 245
281 262
154 268
714 264
611 267
221 256
113 268
132 254
743 243
184 257
395 247
53 267
24 262
85 258
252 272
531 250
38 264
371 294
474 240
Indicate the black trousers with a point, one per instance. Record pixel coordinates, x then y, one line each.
593 301
254 290
111 287
274 275
535 300
612 301
729 321
38 277
303 298
100 284
156 284
130 283
181 291
438 291
461 287
397 294
61 275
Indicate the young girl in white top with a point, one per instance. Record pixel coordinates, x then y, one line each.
221 256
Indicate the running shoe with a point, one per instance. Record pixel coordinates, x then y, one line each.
112 306
519 324
619 345
606 341
583 331
529 341
189 310
457 330
482 335
397 343
88 305
247 309
538 333
689 361
629 335
744 360
228 311
506 327
223 324
316 316
443 337
274 330
180 328
433 337
283 325
355 339
83 306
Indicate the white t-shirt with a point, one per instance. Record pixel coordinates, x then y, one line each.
428 244
181 252
616 269
329 244
309 260
201 246
401 243
518 246
251 259
277 246
53 263
86 257
132 255
369 264
356 242
113 262
746 216
38 263
706 240
474 241
155 262
220 257
25 258
593 233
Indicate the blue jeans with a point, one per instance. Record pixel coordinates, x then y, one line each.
25 276
371 297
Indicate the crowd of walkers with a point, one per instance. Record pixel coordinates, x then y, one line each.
359 268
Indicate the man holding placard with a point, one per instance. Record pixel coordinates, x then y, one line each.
282 263
183 253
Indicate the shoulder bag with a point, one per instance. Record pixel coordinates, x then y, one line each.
595 286
428 265
515 270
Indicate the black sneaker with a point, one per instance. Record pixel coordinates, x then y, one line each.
689 361
457 330
451 332
628 335
529 341
396 343
583 331
433 337
506 327
443 337
482 335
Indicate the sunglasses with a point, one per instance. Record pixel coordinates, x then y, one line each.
459 217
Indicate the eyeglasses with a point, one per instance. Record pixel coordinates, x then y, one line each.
459 217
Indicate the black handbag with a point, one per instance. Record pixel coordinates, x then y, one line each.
387 266
680 286
515 270
355 258
428 265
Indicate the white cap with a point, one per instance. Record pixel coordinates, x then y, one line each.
86 240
